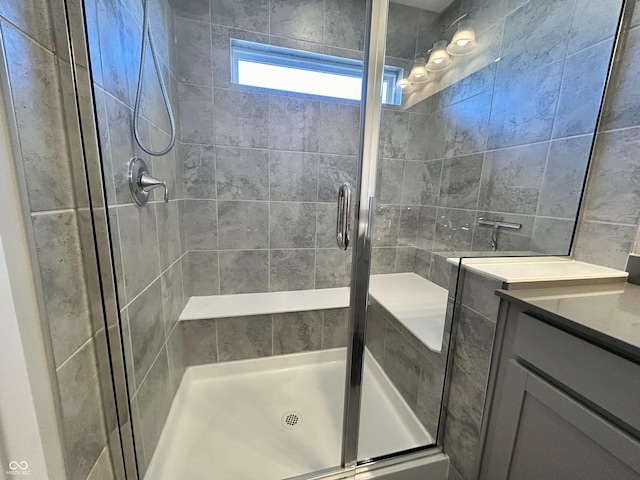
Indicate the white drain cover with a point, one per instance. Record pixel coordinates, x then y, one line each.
291 420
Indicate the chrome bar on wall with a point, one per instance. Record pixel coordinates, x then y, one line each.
375 38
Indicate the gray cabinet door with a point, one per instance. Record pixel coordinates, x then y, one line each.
541 433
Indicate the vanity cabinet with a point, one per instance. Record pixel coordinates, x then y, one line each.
563 407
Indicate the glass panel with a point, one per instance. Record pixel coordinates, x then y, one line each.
486 155
233 295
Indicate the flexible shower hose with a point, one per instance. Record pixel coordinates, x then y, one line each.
147 38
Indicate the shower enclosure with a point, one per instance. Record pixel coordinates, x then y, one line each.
286 309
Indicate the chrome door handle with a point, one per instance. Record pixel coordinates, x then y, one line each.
343 222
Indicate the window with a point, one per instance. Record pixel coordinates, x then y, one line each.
278 68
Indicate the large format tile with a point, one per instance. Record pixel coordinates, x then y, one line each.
339 128
297 332
146 326
564 177
241 118
383 260
201 273
345 23
200 341
425 229
60 263
461 181
242 173
394 134
198 171
168 233
291 269
194 9
402 365
292 225
389 181
293 176
593 22
604 244
295 123
32 18
335 328
82 417
193 41
244 271
454 230
243 225
552 236
511 179
613 193
173 300
221 52
402 31
509 240
418 137
252 15
240 338
333 171
333 268
421 185
468 125
196 114
301 19
36 96
385 225
201 225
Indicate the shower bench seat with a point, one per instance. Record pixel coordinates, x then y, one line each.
417 303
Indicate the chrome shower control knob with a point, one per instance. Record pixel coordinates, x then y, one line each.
141 182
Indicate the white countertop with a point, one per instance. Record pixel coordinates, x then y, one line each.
537 269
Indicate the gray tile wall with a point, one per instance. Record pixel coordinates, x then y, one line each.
511 142
256 336
610 216
34 47
148 242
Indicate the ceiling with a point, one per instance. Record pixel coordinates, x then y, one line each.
433 5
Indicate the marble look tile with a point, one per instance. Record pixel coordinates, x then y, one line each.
243 225
176 353
297 332
470 122
240 338
385 226
163 167
375 337
168 233
511 179
291 270
402 365
146 326
430 392
292 225
82 417
593 22
252 15
244 271
139 240
301 19
437 132
537 34
402 31
194 9
199 171
199 340
622 108
427 30
383 260
478 294
417 143
394 134
333 268
461 181
338 128
564 177
196 114
333 170
173 300
454 230
524 105
423 262
421 183
242 174
335 328
405 259
440 273
221 52
293 176
552 236
426 227
389 181
583 84
193 41
408 229
508 240
326 225
32 18
295 124
613 193
103 468
201 225
201 274
484 13
345 23
241 119
604 244
60 262
154 401
38 113
473 346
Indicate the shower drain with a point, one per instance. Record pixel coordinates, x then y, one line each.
291 420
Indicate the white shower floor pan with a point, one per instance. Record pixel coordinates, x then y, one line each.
228 421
